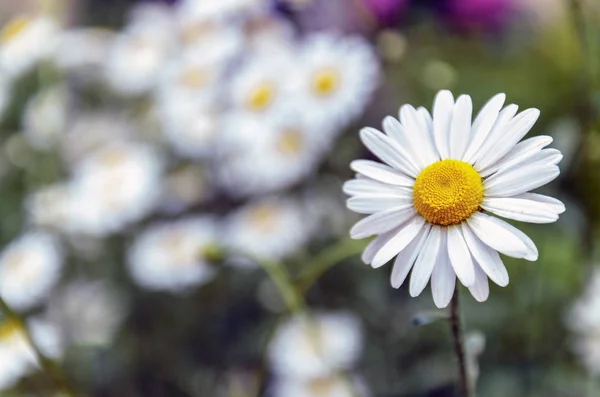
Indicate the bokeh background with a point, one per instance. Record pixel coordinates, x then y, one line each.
171 205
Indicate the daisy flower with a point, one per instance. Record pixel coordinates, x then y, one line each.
174 256
218 10
26 40
432 203
45 117
89 312
315 347
334 78
272 228
115 186
331 386
83 50
269 154
29 268
584 321
49 206
261 86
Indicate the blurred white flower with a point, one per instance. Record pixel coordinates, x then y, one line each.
219 9
334 78
264 31
137 57
174 256
30 266
50 206
425 203
89 313
17 356
83 50
26 40
219 40
261 86
116 185
263 155
272 227
90 130
316 346
584 321
45 117
330 386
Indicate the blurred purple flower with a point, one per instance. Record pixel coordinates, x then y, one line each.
387 12
487 15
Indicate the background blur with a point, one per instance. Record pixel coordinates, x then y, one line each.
170 196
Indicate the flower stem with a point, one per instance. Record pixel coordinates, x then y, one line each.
458 341
48 366
325 260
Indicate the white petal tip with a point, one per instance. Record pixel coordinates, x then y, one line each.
531 257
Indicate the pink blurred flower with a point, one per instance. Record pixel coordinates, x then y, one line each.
479 14
387 12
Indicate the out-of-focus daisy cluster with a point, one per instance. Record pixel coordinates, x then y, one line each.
192 134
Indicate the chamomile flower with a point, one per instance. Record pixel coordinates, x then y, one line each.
49 206
431 203
83 50
268 154
116 185
271 227
334 78
261 87
89 312
584 321
218 10
331 386
26 40
29 268
315 347
174 256
45 118
136 59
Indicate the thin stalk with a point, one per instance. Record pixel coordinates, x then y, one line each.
458 341
325 260
48 365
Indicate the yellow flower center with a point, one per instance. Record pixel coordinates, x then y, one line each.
13 28
194 78
264 218
325 82
9 328
290 142
448 192
261 96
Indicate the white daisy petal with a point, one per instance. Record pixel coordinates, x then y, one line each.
423 267
460 128
372 204
520 209
418 136
388 151
543 157
502 237
443 280
504 117
443 107
517 180
406 258
427 121
522 152
394 129
557 205
374 246
486 257
381 172
382 222
459 255
368 187
406 234
480 288
483 125
514 131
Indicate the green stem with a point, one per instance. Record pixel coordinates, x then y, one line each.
48 366
282 280
458 341
325 260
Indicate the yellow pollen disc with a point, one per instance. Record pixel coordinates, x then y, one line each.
448 192
194 78
13 28
261 97
290 142
325 82
264 217
9 328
